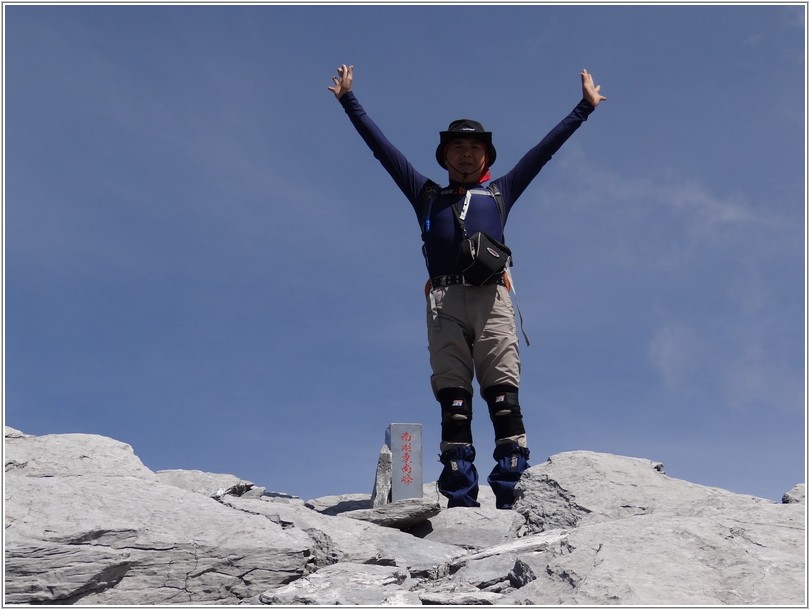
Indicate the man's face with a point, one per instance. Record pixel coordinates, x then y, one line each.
466 159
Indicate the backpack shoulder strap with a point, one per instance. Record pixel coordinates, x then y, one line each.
431 190
425 201
496 194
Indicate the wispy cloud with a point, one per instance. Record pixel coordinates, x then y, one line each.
739 364
666 220
675 351
698 209
717 277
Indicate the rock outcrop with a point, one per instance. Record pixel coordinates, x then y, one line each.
86 522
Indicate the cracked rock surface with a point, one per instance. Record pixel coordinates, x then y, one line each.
87 523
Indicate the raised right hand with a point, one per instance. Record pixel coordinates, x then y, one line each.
590 91
343 81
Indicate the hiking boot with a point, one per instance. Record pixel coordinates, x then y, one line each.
512 460
458 481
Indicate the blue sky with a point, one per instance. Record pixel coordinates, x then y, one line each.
203 260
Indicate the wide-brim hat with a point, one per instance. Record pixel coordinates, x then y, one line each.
465 128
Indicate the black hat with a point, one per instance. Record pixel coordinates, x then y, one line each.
465 128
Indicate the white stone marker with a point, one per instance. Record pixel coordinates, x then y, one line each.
405 442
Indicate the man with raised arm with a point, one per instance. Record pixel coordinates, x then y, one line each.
471 325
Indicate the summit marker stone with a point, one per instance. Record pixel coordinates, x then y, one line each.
405 442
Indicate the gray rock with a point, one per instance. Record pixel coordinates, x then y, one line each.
626 533
336 505
69 455
491 574
461 595
455 592
521 574
88 523
123 540
677 561
471 528
341 539
471 598
401 514
795 495
10 432
383 482
527 545
342 584
208 483
486 496
401 598
581 487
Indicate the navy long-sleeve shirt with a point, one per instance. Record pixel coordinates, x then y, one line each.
442 239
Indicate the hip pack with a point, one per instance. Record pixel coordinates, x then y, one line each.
481 257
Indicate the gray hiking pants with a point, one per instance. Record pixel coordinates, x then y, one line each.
471 331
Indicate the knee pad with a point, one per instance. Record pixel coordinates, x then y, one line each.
504 411
456 406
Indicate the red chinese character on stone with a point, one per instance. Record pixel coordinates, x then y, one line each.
407 479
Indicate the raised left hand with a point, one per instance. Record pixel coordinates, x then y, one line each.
590 91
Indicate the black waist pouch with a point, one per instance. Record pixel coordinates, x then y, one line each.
482 259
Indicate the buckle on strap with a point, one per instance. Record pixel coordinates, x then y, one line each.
454 279
448 280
